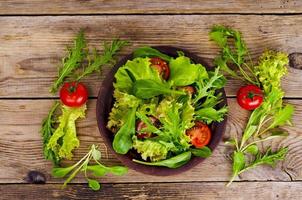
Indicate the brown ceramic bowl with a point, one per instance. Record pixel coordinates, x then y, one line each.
105 102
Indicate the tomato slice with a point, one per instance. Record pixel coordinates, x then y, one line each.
200 134
250 97
141 125
73 94
161 66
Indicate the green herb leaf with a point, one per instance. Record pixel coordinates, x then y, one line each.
122 141
71 62
96 154
146 89
118 170
98 170
203 152
61 172
238 162
252 149
150 52
47 130
109 50
210 114
173 162
94 184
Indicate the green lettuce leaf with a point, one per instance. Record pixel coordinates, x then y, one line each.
176 118
183 72
153 150
64 139
271 68
136 69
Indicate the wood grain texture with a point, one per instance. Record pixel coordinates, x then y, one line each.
171 191
20 147
36 7
32 47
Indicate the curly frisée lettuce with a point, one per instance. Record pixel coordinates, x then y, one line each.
164 108
64 139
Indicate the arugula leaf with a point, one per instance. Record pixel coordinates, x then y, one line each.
150 52
234 54
122 141
106 58
47 130
147 88
173 162
72 61
238 164
64 139
181 66
268 158
210 114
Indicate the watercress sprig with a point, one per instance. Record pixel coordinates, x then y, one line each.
84 165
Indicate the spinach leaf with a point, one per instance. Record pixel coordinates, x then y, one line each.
147 88
203 152
173 162
150 52
122 141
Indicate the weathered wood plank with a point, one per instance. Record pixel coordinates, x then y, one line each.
31 47
142 191
30 7
20 147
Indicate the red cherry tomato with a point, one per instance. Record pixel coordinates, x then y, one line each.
161 66
189 89
200 134
141 125
249 97
73 94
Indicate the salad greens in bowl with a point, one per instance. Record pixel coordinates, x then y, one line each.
162 110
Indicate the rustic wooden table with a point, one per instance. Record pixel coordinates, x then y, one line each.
33 36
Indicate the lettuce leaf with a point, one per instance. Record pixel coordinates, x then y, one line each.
183 72
64 139
153 150
118 115
175 118
271 68
136 69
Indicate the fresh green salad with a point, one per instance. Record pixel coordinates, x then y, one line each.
163 108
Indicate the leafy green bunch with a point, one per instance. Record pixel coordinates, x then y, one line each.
265 121
59 127
141 92
79 62
84 165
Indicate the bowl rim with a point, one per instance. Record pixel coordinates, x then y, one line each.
105 97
